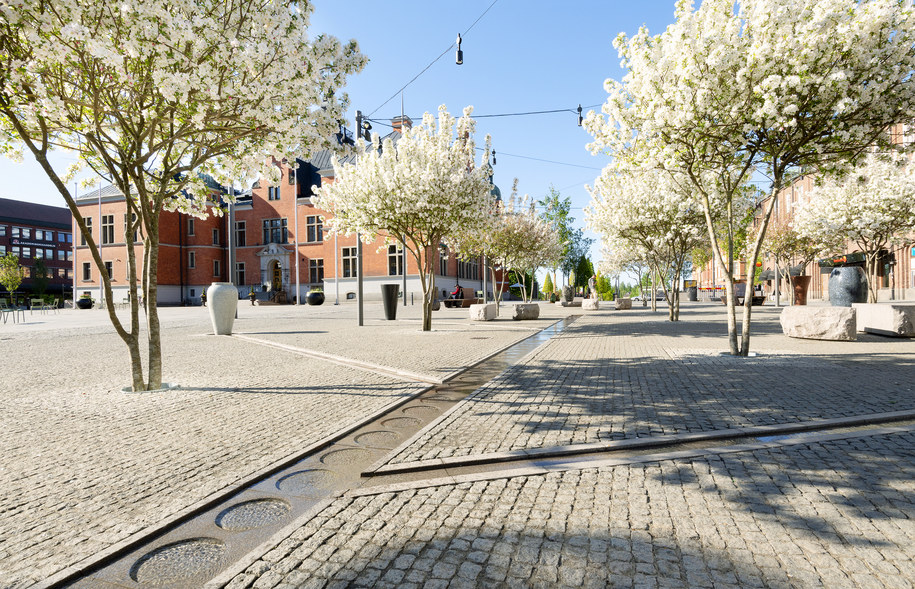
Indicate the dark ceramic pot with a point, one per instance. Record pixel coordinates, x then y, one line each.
315 297
847 285
83 303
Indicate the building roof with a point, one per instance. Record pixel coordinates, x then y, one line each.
29 213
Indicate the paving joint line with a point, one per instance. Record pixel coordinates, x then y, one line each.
382 468
343 361
546 468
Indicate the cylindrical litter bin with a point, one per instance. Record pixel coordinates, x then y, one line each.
692 293
389 297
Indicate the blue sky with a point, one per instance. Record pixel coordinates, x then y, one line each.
521 56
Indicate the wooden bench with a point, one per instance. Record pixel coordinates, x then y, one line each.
469 298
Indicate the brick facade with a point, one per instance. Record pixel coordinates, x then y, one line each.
195 252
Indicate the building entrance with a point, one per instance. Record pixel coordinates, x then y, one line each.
277 276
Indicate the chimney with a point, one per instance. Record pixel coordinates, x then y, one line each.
402 121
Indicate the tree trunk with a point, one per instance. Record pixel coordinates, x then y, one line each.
152 310
871 263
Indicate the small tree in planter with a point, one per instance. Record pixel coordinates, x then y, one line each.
787 244
10 274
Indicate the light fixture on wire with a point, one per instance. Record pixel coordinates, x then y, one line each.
494 157
580 119
459 56
366 130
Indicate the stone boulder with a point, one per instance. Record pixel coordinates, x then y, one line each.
482 312
525 311
623 304
567 294
590 305
827 323
886 318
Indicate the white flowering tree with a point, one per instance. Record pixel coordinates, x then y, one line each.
418 192
774 85
873 206
512 237
654 215
155 94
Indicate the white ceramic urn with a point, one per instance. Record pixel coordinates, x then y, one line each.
222 300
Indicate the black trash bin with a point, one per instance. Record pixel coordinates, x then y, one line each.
389 296
692 293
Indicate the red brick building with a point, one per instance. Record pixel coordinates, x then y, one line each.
271 235
34 232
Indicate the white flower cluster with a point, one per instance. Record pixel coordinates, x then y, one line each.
189 86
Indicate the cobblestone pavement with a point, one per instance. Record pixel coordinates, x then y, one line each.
614 376
84 466
834 514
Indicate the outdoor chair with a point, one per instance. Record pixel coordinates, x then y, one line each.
37 305
8 309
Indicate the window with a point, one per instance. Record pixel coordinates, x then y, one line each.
16 251
27 232
215 236
216 268
315 271
395 260
291 176
239 273
2 230
107 229
26 253
240 236
15 232
443 262
275 231
192 259
109 269
315 228
87 271
469 269
88 222
26 272
349 262
133 217
39 253
273 193
190 227
70 273
2 250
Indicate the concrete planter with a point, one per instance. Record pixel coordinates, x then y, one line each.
222 302
482 312
526 311
590 305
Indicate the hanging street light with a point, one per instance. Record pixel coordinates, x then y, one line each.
459 56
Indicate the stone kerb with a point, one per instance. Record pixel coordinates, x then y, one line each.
590 305
623 304
824 323
526 311
481 312
886 318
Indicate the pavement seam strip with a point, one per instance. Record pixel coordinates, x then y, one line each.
367 366
380 464
619 445
542 469
137 540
